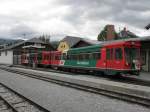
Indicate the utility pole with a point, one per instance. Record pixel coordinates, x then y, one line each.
24 37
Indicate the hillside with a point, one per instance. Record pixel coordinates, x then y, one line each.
8 42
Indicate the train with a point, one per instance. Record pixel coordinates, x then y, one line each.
110 58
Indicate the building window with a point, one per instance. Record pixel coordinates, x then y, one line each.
5 53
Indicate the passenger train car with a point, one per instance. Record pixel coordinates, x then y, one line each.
111 58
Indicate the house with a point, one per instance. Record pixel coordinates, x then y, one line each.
74 42
124 34
12 54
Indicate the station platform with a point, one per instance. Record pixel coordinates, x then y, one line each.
124 88
58 98
143 76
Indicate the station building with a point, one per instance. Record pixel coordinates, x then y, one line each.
12 54
145 52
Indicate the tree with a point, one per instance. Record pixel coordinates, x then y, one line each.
45 38
55 44
102 35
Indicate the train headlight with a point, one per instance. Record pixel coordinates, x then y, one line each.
127 64
132 43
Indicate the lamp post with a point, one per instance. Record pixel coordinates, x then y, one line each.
147 27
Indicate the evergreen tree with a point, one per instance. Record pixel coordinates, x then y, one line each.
45 38
102 35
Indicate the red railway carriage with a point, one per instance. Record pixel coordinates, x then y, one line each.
24 59
51 58
31 58
46 58
120 57
55 58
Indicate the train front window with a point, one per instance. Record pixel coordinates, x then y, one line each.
118 54
131 54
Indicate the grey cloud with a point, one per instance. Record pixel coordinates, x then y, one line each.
20 30
126 11
79 14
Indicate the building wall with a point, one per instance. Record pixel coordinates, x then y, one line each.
63 46
145 54
6 57
81 44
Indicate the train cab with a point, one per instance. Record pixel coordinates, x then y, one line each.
123 58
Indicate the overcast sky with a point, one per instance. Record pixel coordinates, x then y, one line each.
85 18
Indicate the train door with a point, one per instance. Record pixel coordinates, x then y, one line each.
118 58
109 58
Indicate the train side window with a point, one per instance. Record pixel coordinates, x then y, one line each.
97 55
68 57
84 56
80 57
118 53
90 56
53 57
49 56
87 56
57 57
109 54
76 57
64 56
44 57
73 57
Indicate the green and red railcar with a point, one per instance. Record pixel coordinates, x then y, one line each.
111 58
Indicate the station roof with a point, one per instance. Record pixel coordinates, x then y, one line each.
72 41
33 40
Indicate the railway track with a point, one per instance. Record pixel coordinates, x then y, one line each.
123 79
113 94
11 101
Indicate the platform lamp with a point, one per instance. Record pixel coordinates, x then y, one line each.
147 27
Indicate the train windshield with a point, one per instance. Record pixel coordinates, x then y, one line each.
131 54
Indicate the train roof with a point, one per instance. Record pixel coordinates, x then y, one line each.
98 46
93 48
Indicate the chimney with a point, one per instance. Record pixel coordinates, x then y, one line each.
125 29
110 32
